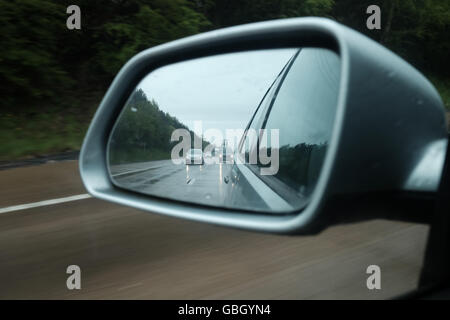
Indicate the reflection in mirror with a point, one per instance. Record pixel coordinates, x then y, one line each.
246 130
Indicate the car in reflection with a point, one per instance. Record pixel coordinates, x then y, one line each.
194 156
226 155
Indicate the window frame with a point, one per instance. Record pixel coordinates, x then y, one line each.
270 95
272 182
297 200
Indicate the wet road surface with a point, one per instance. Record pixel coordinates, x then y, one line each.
130 254
203 184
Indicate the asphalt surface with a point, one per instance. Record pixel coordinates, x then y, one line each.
202 183
129 254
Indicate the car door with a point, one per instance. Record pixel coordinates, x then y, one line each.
241 182
301 146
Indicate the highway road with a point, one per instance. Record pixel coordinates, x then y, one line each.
130 254
203 184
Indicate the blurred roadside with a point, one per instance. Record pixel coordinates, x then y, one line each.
42 159
54 78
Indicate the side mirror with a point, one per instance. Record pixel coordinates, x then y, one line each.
286 126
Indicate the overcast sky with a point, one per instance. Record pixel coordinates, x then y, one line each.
222 91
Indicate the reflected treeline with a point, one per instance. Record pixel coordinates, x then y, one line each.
143 132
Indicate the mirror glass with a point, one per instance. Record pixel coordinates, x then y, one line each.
246 130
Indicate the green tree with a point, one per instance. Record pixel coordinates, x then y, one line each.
30 65
224 13
417 30
152 23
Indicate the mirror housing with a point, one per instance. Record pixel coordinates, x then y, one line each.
389 126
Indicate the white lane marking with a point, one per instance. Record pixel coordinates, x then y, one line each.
44 203
134 171
130 286
130 172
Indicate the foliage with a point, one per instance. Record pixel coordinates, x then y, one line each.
417 30
43 62
224 13
46 68
143 132
29 62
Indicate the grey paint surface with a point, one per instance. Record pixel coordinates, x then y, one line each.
387 114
